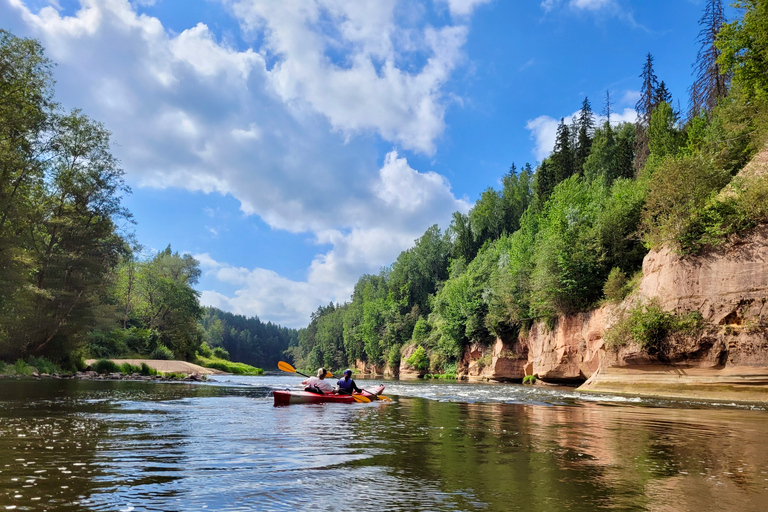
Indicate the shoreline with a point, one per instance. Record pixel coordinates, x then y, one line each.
165 366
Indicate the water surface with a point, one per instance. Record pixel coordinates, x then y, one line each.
69 445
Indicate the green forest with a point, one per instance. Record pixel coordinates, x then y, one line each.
74 284
572 232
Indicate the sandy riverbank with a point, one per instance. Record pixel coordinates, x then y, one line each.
167 366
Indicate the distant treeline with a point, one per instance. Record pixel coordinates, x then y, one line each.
248 340
73 282
573 232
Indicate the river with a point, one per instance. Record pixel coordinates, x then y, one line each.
125 446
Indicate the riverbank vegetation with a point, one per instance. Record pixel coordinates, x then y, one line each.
572 232
73 281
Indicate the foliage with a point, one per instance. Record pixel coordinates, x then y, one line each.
60 202
204 350
616 286
529 379
228 366
129 369
649 326
743 44
247 339
145 369
162 352
419 359
677 191
43 365
220 352
106 366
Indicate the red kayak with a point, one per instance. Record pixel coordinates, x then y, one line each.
286 397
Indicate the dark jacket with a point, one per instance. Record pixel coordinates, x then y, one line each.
347 386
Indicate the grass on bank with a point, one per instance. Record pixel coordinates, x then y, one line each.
227 366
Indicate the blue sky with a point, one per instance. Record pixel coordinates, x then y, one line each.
293 145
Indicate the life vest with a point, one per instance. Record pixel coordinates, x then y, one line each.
345 386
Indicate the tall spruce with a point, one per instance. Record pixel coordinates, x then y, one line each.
711 82
562 155
662 95
644 108
586 127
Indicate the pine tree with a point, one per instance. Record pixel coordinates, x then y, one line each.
644 108
710 82
562 155
586 127
662 95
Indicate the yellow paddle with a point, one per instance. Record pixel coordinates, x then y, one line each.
290 369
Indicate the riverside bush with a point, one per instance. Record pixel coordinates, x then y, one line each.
649 325
228 366
419 359
43 365
162 352
220 352
529 379
106 366
616 287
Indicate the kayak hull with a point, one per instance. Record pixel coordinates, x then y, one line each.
288 397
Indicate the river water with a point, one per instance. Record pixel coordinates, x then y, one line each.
124 446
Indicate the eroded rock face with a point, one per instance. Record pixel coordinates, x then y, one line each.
368 369
572 351
728 285
501 362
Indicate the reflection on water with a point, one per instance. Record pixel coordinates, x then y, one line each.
67 445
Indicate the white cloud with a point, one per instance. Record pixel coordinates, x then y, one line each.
544 129
362 88
289 129
630 98
395 217
463 7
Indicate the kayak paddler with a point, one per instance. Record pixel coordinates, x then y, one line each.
318 384
346 385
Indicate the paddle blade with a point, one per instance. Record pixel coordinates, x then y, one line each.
328 374
286 367
385 398
362 399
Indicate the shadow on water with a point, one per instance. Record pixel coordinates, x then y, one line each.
67 445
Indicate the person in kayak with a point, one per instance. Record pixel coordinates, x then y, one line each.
318 384
346 385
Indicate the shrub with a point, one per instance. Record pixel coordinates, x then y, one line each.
529 379
419 359
44 366
229 366
204 350
677 193
128 369
393 358
484 360
106 366
162 352
22 368
616 286
220 352
649 325
146 370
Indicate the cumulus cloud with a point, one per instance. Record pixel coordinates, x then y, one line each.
544 129
290 128
463 7
395 217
